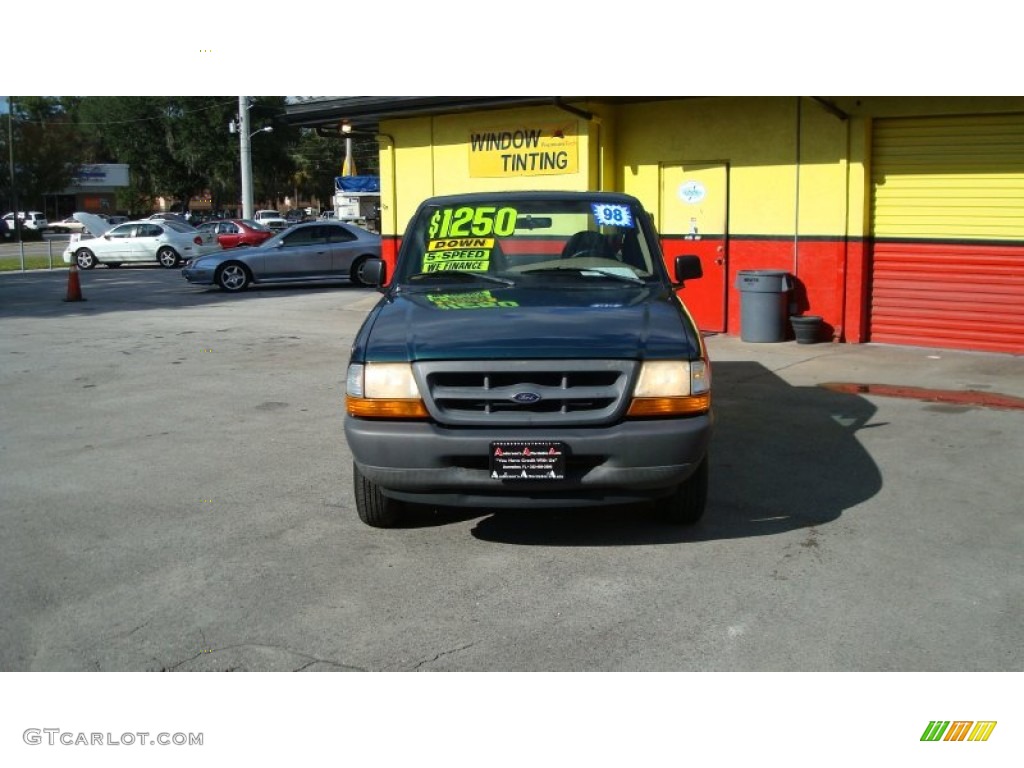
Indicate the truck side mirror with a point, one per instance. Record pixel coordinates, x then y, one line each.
688 268
374 272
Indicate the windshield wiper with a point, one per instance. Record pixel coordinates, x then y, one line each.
632 279
461 275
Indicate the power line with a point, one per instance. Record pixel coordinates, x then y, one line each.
69 121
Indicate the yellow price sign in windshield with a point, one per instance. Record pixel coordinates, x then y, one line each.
466 254
469 221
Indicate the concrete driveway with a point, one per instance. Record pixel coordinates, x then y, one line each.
177 496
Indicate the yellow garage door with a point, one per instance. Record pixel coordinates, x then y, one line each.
948 232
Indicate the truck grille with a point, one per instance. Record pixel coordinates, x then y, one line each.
533 392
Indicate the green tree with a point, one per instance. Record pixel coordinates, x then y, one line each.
366 151
317 161
273 166
172 145
47 151
127 129
178 147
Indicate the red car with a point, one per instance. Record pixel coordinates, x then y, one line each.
232 233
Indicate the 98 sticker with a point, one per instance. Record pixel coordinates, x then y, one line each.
612 215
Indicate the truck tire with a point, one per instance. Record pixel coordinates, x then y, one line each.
686 505
374 508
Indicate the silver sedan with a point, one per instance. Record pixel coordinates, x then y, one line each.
314 251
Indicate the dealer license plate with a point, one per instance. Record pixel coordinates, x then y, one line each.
528 461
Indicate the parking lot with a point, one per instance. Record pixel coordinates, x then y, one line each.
177 495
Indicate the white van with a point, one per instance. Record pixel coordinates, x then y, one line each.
33 220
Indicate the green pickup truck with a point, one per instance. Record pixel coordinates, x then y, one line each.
530 350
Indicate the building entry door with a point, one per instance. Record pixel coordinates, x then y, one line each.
693 219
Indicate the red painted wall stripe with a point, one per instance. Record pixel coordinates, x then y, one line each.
945 295
955 295
818 269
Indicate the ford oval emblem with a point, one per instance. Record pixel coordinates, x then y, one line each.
526 398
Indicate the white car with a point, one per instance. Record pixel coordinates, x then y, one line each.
68 226
161 216
167 243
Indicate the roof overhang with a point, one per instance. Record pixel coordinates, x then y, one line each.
364 113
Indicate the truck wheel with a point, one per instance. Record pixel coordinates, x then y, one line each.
686 505
374 508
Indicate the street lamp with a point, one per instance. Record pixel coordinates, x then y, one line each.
244 139
348 166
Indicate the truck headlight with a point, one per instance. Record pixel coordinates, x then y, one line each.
672 388
383 391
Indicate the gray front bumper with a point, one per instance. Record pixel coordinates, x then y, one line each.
630 461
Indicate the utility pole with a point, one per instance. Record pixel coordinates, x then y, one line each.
14 192
245 141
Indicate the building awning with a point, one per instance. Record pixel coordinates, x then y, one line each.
364 113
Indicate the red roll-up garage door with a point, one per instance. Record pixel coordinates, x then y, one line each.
948 232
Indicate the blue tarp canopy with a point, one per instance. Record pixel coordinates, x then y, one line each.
357 183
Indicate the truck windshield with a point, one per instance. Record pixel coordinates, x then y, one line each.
521 239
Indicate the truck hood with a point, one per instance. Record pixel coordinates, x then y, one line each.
494 322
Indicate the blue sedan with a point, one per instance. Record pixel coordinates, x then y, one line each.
322 250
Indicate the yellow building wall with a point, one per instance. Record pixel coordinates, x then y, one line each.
798 179
406 150
431 156
764 140
783 153
858 178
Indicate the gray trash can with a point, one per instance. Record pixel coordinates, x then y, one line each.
764 299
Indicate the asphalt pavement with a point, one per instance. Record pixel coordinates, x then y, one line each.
177 495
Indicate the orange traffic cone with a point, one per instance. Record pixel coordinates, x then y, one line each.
74 287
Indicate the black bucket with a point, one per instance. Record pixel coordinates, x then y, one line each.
806 328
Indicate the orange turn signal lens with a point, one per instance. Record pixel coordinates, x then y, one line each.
691 405
367 408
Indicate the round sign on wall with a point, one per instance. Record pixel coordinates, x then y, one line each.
691 192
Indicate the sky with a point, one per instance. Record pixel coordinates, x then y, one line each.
463 47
